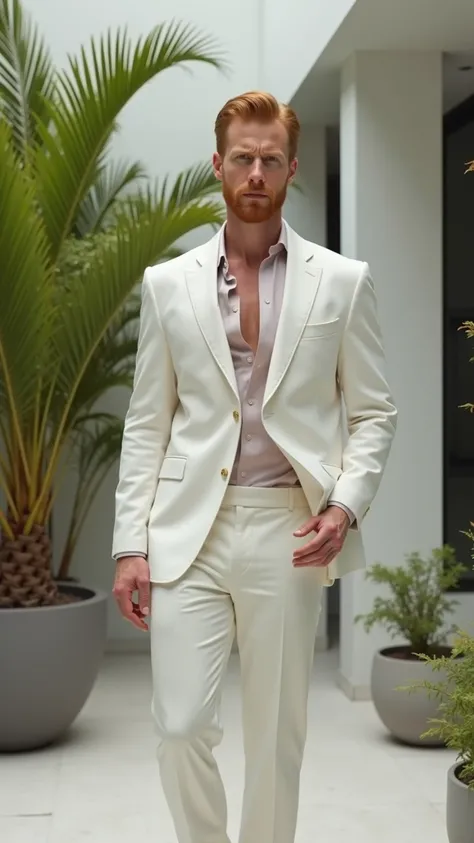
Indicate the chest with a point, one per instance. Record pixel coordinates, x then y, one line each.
248 292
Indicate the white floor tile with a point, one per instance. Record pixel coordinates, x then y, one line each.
101 784
390 824
131 825
29 783
25 829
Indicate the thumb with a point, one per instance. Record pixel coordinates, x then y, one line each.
144 596
306 528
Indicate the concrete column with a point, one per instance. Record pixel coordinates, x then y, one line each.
391 216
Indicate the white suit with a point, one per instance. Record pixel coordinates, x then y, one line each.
174 505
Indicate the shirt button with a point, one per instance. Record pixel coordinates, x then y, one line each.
224 473
249 359
250 401
248 437
243 474
236 415
235 309
267 301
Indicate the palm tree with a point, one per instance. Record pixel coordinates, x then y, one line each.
76 232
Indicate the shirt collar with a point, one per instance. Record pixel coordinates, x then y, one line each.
281 244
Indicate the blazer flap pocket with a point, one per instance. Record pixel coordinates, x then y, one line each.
172 468
320 329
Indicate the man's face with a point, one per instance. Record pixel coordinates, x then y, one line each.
255 169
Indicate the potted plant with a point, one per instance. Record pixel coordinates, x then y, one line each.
415 612
454 726
76 233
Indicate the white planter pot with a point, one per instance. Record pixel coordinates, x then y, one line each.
405 715
459 808
49 660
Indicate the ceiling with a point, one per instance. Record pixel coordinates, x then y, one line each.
443 25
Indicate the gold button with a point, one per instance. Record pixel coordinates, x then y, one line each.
224 473
236 415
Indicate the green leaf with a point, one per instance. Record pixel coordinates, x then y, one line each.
91 95
110 184
99 293
27 78
190 185
96 442
455 692
417 604
26 288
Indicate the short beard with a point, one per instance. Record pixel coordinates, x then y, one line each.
253 212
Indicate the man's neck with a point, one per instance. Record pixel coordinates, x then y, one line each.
249 243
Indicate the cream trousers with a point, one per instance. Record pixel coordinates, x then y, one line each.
243 580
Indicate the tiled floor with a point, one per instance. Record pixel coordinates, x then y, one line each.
101 785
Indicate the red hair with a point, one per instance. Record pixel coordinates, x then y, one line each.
257 105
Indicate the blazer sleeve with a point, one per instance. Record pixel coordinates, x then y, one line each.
371 413
147 429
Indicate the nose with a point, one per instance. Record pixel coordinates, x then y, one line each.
257 176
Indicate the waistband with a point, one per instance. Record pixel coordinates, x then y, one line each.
265 498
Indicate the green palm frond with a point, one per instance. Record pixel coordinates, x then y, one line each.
96 441
189 186
76 233
90 96
142 232
98 295
26 287
27 77
111 182
111 366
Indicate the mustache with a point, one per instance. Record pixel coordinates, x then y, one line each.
242 191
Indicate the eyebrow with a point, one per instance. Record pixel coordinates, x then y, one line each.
252 149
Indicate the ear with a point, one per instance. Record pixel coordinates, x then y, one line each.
293 169
217 166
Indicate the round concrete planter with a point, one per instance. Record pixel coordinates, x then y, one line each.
404 714
49 659
459 809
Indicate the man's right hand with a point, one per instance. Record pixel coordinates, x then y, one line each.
133 574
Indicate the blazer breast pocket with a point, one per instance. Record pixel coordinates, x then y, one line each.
319 330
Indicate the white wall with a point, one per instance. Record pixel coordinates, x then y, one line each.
295 35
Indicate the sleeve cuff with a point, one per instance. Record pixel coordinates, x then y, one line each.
346 509
129 553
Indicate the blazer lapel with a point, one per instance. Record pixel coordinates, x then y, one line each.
201 282
303 278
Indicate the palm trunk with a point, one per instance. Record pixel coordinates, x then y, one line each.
25 569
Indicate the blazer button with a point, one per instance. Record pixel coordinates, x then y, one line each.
224 473
236 415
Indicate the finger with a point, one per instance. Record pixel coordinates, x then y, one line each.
316 557
137 621
306 528
144 595
315 561
312 546
123 596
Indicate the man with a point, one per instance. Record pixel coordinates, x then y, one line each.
238 498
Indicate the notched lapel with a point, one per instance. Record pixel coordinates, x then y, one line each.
302 281
201 283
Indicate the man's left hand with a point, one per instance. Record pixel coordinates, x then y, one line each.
331 528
